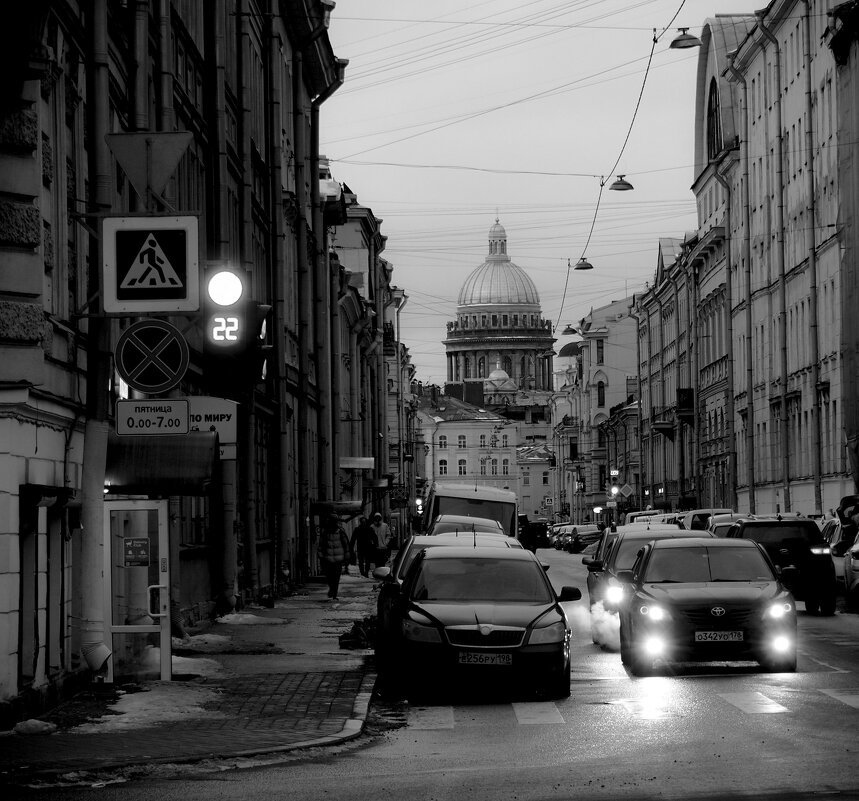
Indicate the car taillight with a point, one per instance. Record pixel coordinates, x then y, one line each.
820 550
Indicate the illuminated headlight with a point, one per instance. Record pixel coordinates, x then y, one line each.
557 632
820 550
781 644
614 594
654 646
654 612
779 610
416 631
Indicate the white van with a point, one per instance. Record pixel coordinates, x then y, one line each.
472 500
698 519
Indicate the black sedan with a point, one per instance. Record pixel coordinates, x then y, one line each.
703 600
486 613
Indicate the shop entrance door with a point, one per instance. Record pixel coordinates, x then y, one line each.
137 589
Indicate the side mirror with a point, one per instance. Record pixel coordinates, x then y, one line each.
594 565
624 576
789 576
570 594
381 573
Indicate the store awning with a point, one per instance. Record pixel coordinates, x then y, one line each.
175 464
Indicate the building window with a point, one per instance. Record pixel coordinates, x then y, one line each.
460 440
545 477
483 440
505 467
442 443
483 467
495 467
461 467
526 479
600 351
442 467
600 393
504 442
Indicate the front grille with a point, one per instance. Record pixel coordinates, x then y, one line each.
497 638
732 619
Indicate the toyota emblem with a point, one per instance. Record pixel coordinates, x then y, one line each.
717 611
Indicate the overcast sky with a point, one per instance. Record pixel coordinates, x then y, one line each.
456 112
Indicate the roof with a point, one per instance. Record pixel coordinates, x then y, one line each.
710 542
498 281
457 552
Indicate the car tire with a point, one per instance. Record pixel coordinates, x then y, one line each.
827 604
780 664
560 685
812 605
624 648
639 663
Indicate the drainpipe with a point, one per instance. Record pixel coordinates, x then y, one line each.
681 440
326 306
94 639
811 244
780 263
747 272
694 382
304 286
643 478
731 493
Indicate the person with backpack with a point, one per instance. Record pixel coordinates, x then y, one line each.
333 552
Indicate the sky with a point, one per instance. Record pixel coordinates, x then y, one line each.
456 113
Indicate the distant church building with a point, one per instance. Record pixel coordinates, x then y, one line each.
499 334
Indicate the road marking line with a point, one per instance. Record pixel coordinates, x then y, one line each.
430 717
753 703
849 697
536 712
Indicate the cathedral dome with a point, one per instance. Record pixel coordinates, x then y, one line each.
498 281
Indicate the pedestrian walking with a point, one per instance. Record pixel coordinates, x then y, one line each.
382 534
363 545
334 553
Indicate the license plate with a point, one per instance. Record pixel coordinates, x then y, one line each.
478 658
718 636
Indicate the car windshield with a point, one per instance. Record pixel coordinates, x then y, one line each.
625 550
443 528
771 535
485 579
707 564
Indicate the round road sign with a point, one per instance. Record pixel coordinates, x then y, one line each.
151 356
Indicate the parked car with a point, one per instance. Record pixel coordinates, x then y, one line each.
796 541
698 519
703 599
483 613
392 577
603 586
581 536
672 519
463 523
851 576
561 536
840 537
718 525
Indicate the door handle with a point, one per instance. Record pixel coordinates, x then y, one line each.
149 593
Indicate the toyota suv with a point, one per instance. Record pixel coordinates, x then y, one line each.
796 541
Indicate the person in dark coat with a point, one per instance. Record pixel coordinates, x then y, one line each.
333 552
363 545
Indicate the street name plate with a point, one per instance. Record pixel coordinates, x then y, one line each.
152 417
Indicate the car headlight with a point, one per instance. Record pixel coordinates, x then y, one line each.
779 610
557 632
614 594
654 612
820 550
420 630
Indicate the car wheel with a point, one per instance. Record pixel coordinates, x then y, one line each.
780 664
639 664
560 685
624 647
812 605
827 605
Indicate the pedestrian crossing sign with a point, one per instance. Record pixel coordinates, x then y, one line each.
150 264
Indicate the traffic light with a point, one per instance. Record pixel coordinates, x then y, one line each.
259 346
226 327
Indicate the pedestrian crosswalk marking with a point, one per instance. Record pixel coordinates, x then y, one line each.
754 703
531 713
151 268
849 697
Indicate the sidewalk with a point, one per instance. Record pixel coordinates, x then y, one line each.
261 681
